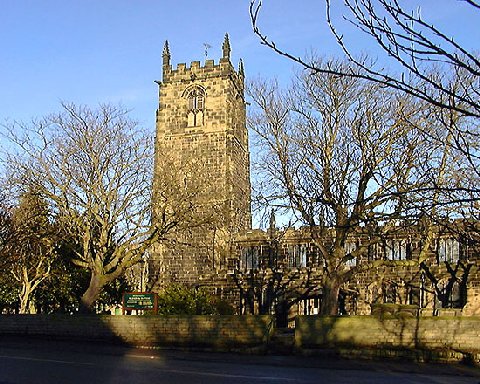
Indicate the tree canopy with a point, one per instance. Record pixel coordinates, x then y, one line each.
343 154
435 70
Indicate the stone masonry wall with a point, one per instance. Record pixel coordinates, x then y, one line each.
216 332
420 338
449 338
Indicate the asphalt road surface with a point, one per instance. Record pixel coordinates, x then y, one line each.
50 362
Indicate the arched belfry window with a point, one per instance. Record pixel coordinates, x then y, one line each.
196 106
196 100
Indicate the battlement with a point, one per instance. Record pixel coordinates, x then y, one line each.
196 70
196 65
210 68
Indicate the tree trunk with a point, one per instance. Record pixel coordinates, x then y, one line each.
24 300
92 294
26 290
330 291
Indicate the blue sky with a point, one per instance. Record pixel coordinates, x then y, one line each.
91 51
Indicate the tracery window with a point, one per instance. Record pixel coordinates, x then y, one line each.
396 249
297 255
448 250
250 257
196 106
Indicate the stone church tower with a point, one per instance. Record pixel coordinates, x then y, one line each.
201 169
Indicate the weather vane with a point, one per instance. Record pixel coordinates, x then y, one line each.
207 47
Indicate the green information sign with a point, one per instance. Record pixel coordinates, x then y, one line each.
140 300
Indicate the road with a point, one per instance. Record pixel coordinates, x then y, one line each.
40 361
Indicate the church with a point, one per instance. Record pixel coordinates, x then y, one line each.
202 158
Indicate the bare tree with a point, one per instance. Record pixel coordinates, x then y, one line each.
94 168
341 154
436 69
408 39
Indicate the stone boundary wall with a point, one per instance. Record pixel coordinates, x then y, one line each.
216 332
421 338
452 338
